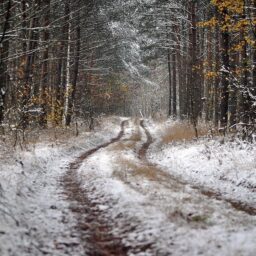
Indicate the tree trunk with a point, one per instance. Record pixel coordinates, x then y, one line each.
30 38
76 72
68 86
253 86
4 49
170 80
174 85
44 71
224 74
217 79
193 87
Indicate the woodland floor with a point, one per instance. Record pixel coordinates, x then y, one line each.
122 190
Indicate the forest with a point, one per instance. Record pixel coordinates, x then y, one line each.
62 60
127 127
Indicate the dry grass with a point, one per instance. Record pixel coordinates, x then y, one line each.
128 143
123 145
12 139
53 135
150 172
183 131
17 139
130 168
135 137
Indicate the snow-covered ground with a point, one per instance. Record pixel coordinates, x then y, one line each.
227 168
152 205
35 218
155 214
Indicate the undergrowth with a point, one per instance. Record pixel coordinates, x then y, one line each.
184 131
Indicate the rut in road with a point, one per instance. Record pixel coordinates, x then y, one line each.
93 227
240 206
143 150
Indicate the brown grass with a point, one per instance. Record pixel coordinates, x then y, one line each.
183 131
136 136
120 146
51 134
150 172
12 139
128 143
135 169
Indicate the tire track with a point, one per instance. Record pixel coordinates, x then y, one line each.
93 227
237 205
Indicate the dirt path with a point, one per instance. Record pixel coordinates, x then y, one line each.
180 203
94 228
114 201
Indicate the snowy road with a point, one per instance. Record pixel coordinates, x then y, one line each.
139 209
111 200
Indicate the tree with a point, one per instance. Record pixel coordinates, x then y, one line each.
4 48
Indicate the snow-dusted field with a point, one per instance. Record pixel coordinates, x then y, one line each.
152 205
